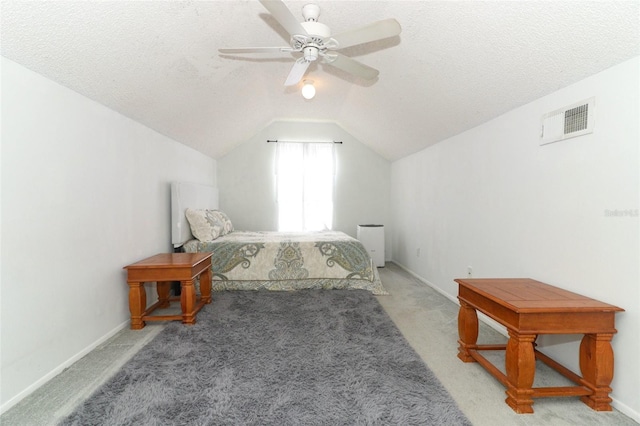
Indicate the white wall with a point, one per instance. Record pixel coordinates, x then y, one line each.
247 179
85 191
493 199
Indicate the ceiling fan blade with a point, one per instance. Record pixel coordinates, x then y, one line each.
297 72
256 50
284 16
372 32
350 65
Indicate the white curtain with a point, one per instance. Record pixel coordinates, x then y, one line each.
305 176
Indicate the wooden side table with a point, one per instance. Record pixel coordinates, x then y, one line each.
528 308
162 269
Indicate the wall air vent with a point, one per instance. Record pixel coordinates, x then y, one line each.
569 122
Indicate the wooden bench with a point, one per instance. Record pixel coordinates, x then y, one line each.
528 308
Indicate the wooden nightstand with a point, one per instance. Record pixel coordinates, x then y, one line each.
162 269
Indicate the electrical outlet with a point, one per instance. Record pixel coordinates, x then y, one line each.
469 271
418 252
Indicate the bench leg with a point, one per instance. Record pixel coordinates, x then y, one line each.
467 331
205 285
596 364
163 288
520 363
188 302
137 304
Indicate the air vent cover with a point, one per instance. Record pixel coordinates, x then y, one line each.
569 122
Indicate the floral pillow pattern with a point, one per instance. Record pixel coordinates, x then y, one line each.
207 225
227 226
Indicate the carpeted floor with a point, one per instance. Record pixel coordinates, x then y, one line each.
308 357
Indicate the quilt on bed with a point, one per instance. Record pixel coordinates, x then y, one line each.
244 260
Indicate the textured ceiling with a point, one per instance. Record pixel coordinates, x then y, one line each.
455 65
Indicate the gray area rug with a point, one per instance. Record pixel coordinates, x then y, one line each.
311 357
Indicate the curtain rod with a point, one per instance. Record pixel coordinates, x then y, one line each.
276 141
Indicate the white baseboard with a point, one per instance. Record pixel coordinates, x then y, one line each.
623 408
59 369
626 410
487 320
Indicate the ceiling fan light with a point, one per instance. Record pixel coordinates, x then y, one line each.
308 90
310 53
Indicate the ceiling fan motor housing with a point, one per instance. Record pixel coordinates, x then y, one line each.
316 29
311 43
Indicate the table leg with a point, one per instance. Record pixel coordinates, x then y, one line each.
467 331
205 285
596 364
188 301
520 363
137 304
163 288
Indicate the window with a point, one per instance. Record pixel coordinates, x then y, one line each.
305 174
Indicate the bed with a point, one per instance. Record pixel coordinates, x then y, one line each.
249 260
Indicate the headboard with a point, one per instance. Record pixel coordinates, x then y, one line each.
188 195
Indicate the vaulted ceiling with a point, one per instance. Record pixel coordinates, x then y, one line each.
455 65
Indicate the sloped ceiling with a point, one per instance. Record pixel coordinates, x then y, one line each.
455 65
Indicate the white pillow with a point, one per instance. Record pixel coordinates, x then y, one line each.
205 225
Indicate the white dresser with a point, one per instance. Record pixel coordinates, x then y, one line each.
372 238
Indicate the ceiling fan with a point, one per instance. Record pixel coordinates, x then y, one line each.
315 41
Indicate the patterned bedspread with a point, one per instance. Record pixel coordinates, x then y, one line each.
244 260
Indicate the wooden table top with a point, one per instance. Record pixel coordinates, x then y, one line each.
524 295
170 260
